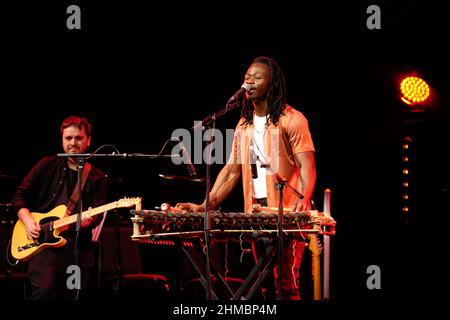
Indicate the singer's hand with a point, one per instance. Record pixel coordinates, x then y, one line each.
302 205
190 207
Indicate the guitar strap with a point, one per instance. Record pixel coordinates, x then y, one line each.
75 194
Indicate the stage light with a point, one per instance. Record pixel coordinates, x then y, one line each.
414 90
407 143
416 93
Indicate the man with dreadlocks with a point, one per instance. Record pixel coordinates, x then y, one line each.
280 137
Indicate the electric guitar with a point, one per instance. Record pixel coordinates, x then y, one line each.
52 224
316 249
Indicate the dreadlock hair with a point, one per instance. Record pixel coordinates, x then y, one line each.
276 94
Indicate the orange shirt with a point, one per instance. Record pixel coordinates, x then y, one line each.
281 143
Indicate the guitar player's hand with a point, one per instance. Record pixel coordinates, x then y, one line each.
85 222
31 226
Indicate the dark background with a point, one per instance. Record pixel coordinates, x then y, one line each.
138 72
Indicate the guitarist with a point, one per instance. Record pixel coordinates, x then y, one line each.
50 183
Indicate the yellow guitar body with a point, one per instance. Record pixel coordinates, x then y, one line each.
52 224
23 249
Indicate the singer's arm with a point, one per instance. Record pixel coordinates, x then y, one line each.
306 163
225 182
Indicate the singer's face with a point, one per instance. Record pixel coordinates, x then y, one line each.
75 140
258 76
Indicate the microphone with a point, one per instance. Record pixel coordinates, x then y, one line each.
187 160
230 105
244 88
253 161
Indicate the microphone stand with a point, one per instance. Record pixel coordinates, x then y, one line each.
116 155
212 118
279 186
80 165
207 219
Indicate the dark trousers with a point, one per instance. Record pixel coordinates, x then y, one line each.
49 276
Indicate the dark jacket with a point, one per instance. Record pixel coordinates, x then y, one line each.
50 183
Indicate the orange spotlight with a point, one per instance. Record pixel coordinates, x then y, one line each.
414 90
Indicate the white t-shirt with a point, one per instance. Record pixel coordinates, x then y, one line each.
259 184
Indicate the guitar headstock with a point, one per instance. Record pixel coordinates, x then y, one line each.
128 202
314 244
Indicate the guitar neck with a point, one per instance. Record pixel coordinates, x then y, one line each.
317 278
316 250
85 214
